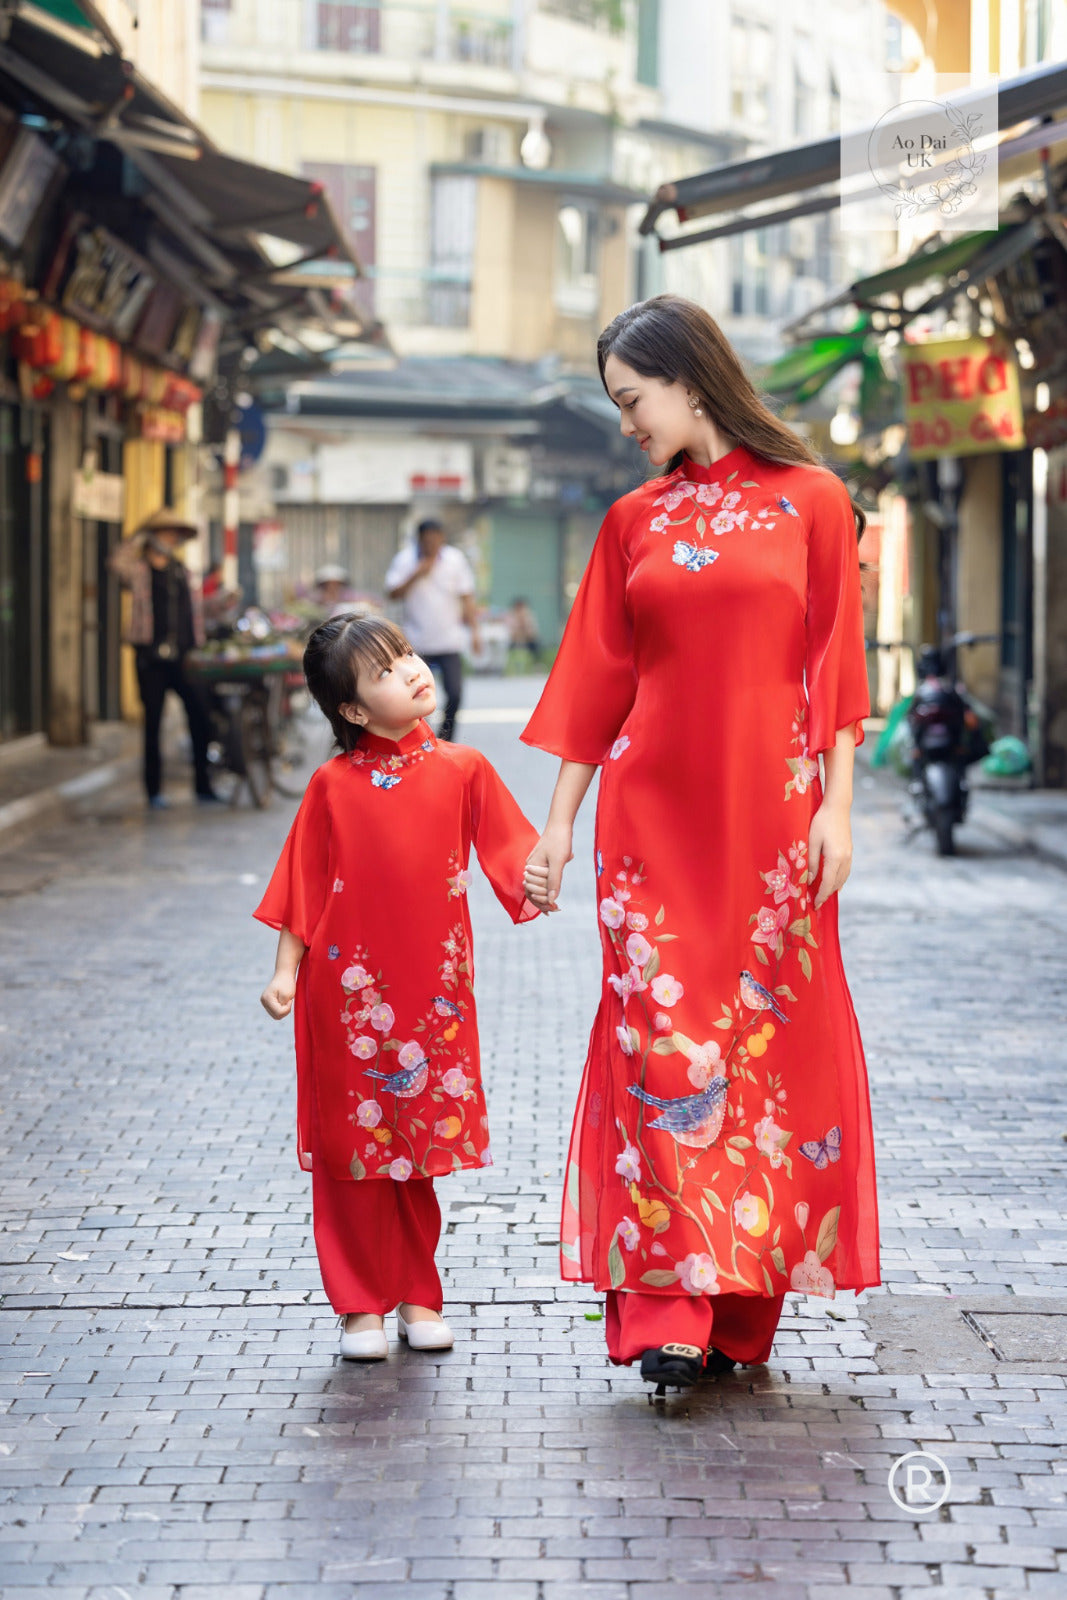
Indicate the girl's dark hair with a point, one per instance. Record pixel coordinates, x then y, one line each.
335 655
676 340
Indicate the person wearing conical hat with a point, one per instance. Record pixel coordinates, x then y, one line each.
165 624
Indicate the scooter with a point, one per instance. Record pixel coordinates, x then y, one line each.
948 733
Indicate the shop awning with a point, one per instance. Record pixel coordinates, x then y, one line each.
810 174
222 215
582 185
801 373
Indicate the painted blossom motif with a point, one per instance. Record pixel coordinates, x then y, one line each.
666 990
692 506
404 1069
382 1018
460 879
338 886
629 1233
628 1164
612 912
697 1274
705 1063
811 1277
401 1169
802 765
621 745
751 1214
678 1160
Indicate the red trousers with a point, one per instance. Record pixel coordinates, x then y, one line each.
742 1326
376 1241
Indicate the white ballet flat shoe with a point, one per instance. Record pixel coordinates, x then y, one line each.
425 1335
370 1344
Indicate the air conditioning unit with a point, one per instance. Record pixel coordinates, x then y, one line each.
488 146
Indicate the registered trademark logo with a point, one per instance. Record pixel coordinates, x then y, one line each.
919 1482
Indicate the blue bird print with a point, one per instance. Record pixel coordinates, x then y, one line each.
757 998
384 780
406 1083
447 1007
693 1119
787 505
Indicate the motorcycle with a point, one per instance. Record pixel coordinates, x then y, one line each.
941 732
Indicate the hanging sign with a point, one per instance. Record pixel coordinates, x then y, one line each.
961 398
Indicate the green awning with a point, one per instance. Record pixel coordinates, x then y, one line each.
63 10
800 373
943 261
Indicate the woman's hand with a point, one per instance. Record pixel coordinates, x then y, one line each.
277 997
543 872
829 845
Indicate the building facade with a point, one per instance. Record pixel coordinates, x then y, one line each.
491 164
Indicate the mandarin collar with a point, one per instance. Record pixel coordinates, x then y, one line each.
372 745
695 473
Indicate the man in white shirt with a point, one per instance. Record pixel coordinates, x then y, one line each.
435 582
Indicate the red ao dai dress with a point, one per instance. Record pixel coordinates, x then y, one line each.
373 879
722 1143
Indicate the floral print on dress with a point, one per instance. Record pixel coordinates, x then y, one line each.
677 1153
802 765
405 1069
710 509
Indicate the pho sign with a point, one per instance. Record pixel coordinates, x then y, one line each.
961 398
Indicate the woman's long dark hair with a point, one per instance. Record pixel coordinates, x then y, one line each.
335 655
674 339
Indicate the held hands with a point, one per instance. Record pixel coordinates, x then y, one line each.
277 997
543 872
829 844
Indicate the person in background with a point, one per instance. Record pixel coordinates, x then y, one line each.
523 632
434 581
331 586
165 623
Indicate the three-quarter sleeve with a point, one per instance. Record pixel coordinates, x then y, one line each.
296 893
503 839
591 687
836 664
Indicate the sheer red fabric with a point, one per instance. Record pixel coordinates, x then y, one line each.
722 1139
373 878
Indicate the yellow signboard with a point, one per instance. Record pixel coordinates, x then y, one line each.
961 397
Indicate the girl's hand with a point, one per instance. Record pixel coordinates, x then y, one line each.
829 844
277 997
543 873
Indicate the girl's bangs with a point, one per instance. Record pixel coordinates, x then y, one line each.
378 644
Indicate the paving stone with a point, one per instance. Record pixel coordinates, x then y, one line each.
174 1419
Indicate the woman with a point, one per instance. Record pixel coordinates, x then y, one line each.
721 1151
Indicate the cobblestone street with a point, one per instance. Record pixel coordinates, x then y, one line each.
177 1424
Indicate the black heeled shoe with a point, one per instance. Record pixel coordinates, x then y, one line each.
675 1366
716 1364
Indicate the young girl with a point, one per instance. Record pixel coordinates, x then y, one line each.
369 896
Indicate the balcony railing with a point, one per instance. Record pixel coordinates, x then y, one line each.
403 31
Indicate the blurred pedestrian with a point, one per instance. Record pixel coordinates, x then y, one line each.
434 581
331 587
722 1151
370 900
523 631
166 622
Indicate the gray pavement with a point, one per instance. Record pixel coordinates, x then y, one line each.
176 1424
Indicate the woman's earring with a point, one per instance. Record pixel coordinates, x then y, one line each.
695 404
